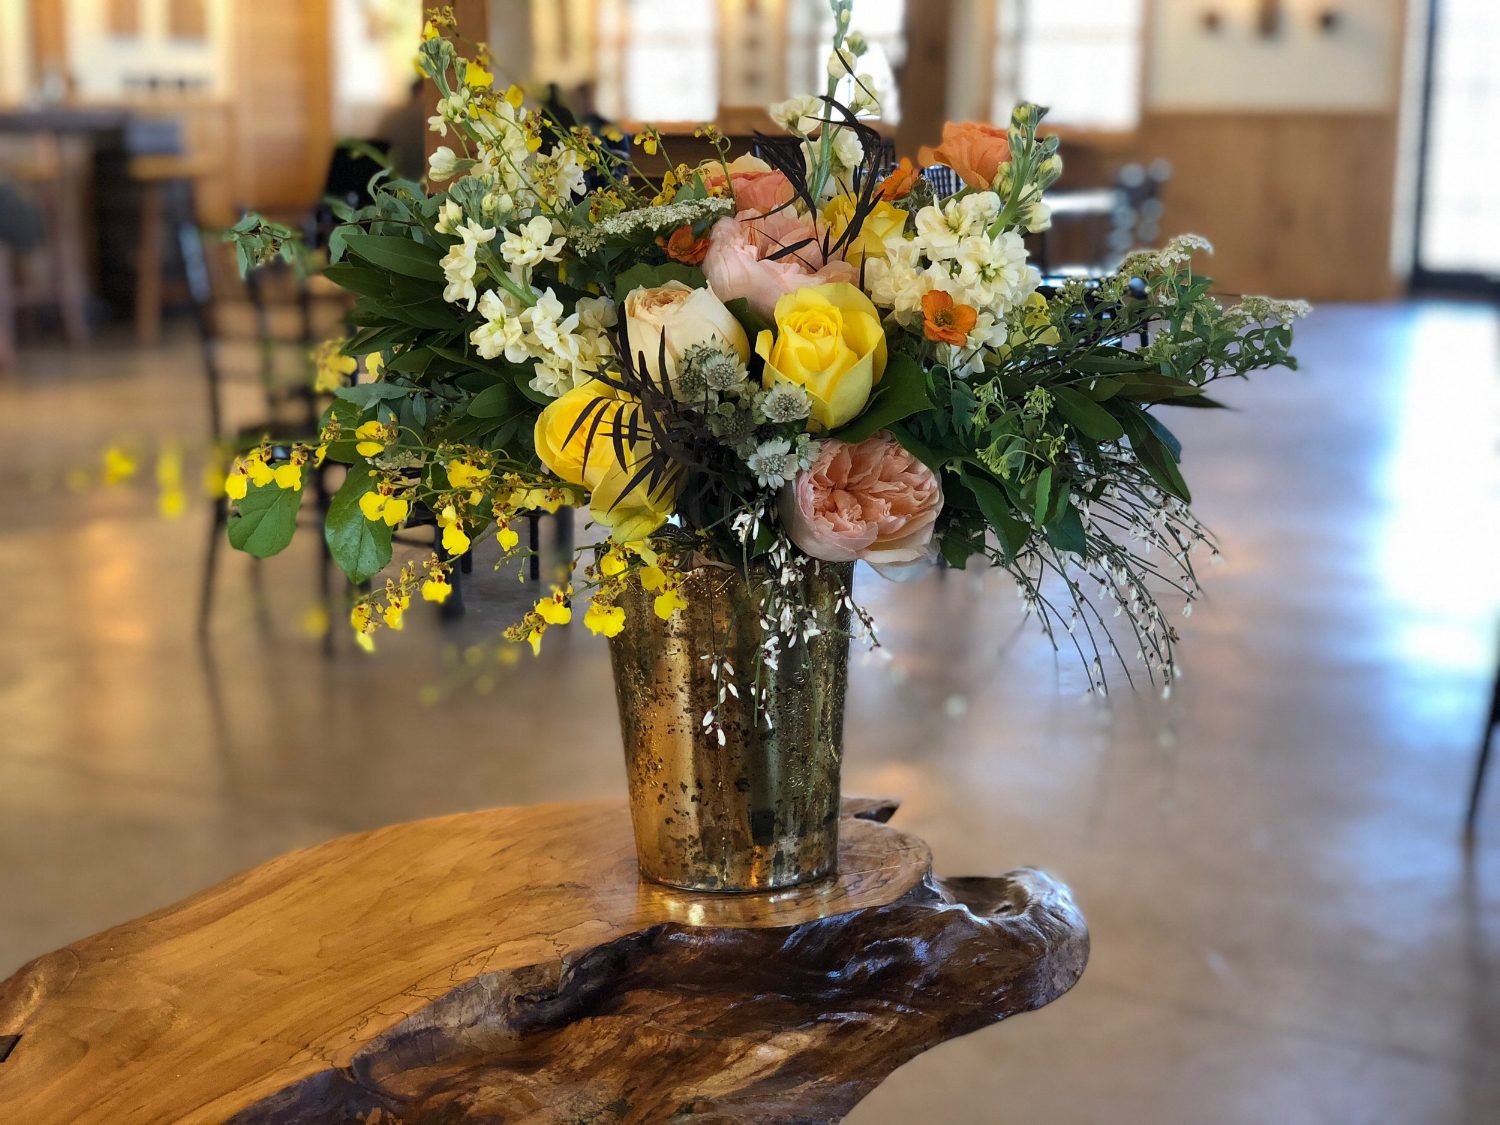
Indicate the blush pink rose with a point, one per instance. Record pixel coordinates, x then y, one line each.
755 184
873 501
737 263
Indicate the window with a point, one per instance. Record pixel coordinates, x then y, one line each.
659 60
1460 220
1080 58
810 34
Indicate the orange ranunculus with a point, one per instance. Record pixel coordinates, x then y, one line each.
973 150
684 246
944 321
899 183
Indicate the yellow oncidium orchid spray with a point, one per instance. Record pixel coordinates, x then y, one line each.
603 619
455 539
255 468
119 465
332 369
372 438
382 505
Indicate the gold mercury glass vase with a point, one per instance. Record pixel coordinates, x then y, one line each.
761 810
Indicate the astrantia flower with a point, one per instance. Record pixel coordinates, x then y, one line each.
777 461
783 404
715 369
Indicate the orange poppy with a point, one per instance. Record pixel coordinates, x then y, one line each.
684 246
944 321
899 183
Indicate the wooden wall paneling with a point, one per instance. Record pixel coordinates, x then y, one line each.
49 36
1296 204
123 18
283 103
187 19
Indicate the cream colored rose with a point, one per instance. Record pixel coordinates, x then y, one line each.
684 316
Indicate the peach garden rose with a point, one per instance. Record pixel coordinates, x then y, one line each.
755 184
974 150
738 262
873 502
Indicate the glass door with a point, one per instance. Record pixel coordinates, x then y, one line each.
1458 200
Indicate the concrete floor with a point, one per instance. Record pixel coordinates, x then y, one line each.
1286 927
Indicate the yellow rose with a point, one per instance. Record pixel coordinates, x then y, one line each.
561 443
828 339
884 221
561 447
635 514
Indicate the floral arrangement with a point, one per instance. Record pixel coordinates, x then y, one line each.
766 362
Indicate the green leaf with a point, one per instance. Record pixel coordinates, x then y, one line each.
1110 361
1066 532
1043 496
360 547
1086 416
266 520
645 275
365 281
1154 456
750 320
998 513
902 393
495 401
1164 435
1199 401
404 256
412 361
366 395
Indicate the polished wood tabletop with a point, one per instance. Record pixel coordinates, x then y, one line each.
480 964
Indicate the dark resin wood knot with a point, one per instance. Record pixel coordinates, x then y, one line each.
508 966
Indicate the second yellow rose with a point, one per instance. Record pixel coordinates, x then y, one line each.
828 339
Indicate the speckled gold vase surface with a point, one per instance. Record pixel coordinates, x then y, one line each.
761 810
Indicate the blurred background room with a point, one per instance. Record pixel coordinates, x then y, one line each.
1290 922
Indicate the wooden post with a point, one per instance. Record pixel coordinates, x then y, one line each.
473 24
49 43
924 75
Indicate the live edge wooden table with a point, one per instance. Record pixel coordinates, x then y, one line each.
510 966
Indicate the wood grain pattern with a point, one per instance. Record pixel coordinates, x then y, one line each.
1296 204
509 965
283 92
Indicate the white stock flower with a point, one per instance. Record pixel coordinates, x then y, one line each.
450 215
547 324
454 107
840 63
866 96
847 151
503 332
528 245
1036 217
988 273
461 262
442 164
800 115
898 281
